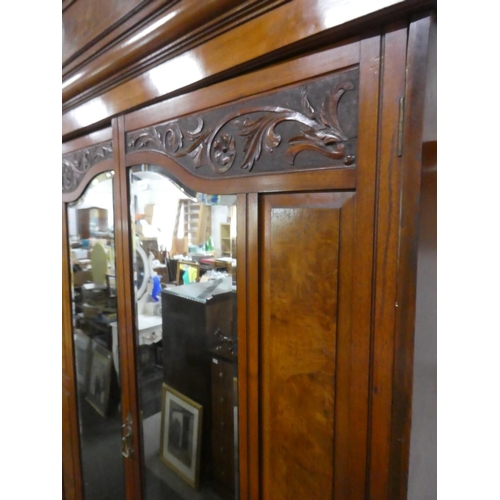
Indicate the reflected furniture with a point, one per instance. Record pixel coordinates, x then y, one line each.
224 420
92 222
192 315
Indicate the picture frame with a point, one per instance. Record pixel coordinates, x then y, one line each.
180 436
82 359
99 380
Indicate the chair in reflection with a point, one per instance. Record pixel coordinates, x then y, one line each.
187 272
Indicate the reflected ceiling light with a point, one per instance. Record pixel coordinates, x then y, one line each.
90 112
176 73
71 80
150 29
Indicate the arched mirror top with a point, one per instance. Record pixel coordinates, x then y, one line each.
81 166
159 201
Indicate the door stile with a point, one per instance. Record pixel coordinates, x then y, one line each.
252 266
126 311
243 346
352 401
416 71
385 258
72 467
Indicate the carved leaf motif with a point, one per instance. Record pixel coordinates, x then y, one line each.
306 105
312 143
217 149
145 139
173 138
197 155
68 176
75 165
192 135
329 115
259 132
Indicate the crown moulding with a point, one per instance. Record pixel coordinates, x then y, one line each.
285 29
125 49
89 26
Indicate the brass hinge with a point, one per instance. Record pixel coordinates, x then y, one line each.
400 125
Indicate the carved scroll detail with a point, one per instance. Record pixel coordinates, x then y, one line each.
216 147
75 165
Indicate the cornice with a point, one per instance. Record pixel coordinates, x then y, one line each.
168 32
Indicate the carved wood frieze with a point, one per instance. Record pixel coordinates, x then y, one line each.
76 165
313 125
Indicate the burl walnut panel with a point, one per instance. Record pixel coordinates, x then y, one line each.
300 282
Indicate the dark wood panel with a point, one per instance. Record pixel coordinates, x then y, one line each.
300 274
66 4
86 20
90 52
306 126
167 32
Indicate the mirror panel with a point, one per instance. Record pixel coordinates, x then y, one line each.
94 317
186 337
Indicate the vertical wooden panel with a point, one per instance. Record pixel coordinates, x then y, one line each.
241 282
126 319
300 282
72 473
353 397
418 39
386 250
252 265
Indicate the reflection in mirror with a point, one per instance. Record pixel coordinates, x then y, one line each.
186 338
92 256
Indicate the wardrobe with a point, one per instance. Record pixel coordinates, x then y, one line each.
271 357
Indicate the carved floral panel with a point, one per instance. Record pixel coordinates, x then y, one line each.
313 125
75 165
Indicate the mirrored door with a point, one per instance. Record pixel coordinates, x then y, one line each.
186 337
91 243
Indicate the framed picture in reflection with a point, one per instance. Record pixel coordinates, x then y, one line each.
180 437
99 381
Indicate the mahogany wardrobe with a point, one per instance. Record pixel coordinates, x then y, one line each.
241 189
